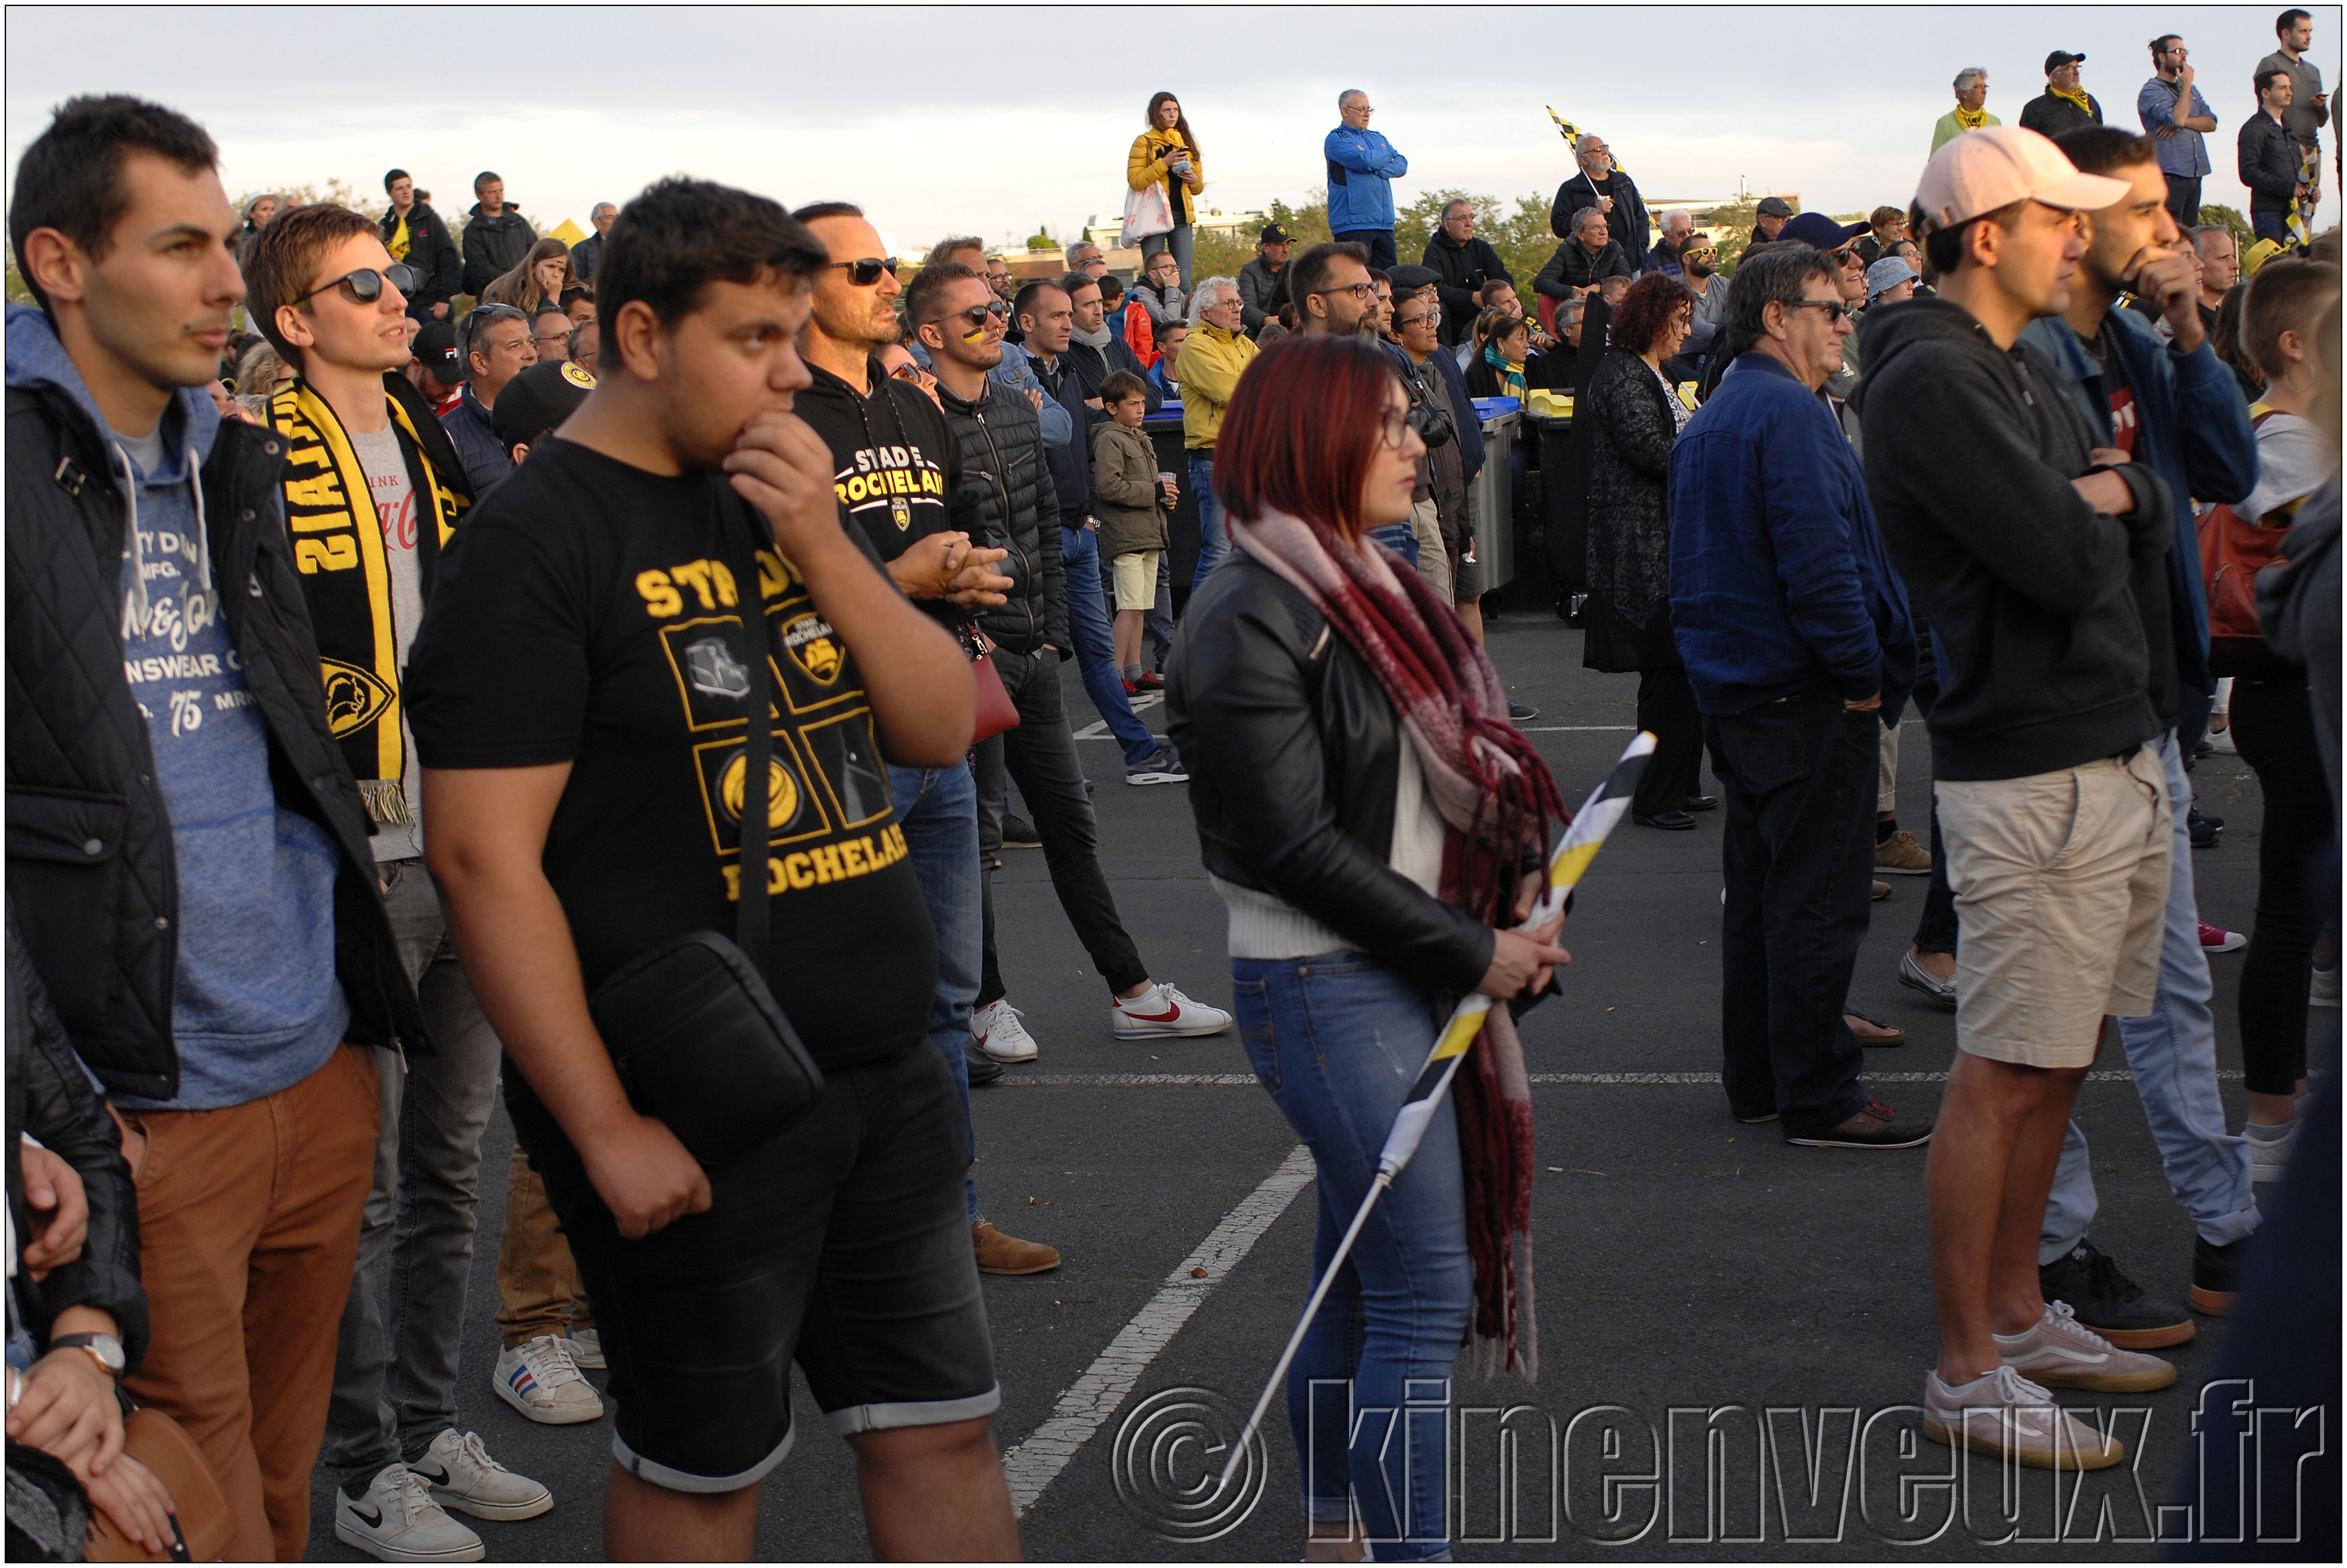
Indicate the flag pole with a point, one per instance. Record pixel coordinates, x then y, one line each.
1604 807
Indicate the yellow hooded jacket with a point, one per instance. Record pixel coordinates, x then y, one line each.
1142 170
1208 370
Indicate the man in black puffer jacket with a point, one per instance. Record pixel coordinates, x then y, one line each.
1002 461
186 839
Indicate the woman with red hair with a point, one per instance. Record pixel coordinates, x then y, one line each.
1374 824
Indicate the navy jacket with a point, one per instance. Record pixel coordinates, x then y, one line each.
485 457
2191 429
1071 469
1471 429
1781 582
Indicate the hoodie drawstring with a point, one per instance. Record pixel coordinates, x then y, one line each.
134 601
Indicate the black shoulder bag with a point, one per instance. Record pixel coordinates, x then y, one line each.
697 1038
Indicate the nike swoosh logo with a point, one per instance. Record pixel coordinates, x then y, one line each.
437 1477
1168 1017
374 1516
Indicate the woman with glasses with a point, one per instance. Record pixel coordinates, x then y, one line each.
538 283
1166 155
1634 416
1369 816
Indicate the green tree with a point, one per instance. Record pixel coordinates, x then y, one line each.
2211 217
1041 239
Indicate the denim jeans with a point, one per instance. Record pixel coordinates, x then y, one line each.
1180 239
395 1378
1041 754
1797 855
2183 201
1214 543
1088 622
2173 1055
937 810
2273 226
1339 1039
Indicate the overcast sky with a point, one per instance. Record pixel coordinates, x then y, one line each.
942 118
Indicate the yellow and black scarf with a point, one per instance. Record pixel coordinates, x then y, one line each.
2076 96
1971 119
346 574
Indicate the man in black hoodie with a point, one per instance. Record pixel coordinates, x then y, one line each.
415 234
2039 561
1463 263
496 236
899 479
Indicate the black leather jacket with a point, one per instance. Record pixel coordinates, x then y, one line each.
89 839
1008 494
1294 753
49 1097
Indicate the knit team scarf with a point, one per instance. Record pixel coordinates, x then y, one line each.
1972 119
339 549
1511 372
2076 96
1496 797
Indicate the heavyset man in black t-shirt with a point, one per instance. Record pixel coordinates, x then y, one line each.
899 475
579 700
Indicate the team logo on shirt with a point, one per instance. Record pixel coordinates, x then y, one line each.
782 789
900 512
354 697
715 670
814 647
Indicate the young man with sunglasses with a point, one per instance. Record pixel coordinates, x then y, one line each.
325 292
899 472
1002 451
184 828
497 346
582 696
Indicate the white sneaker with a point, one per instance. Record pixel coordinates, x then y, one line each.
2059 1351
2324 989
397 1521
464 1477
2005 1415
1162 1011
998 1032
539 1379
2269 1157
585 1347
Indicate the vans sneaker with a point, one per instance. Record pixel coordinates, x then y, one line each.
2062 1352
464 1477
2005 1415
396 1520
1160 1011
998 1032
538 1379
585 1347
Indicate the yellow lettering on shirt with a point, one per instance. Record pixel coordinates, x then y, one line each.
826 864
852 857
694 574
804 869
659 597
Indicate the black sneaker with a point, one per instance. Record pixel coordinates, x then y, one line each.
1018 833
2202 830
2111 1304
2216 1275
983 1068
1520 711
1874 1126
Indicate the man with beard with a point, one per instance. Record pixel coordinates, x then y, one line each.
1333 290
1463 264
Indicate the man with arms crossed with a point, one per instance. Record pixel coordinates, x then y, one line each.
579 696
2039 561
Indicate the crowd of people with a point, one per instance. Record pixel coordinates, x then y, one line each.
474 528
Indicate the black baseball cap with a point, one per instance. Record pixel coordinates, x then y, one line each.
541 397
2063 57
1774 207
1272 234
436 346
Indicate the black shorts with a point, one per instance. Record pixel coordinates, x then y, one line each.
843 1245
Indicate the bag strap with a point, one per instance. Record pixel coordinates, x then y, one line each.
751 905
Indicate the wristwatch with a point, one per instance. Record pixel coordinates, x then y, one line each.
104 1349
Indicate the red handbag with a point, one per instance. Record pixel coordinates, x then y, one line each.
2233 550
996 711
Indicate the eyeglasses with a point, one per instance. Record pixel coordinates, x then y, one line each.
552 338
1403 323
865 270
1394 429
910 370
1364 292
365 286
1830 306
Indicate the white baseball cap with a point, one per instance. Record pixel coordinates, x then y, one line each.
1996 166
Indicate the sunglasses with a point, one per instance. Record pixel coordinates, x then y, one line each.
865 270
365 286
1830 306
976 315
910 370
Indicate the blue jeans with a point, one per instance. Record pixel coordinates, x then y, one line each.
937 808
1214 543
2273 226
1095 650
1179 241
2173 1055
1339 1039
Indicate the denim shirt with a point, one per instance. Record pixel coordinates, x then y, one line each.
2184 155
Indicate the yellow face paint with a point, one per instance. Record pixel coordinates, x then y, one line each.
972 336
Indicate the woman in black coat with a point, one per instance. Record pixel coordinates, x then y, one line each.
1633 419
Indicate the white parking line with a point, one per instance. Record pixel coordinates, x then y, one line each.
1098 729
1239 1080
1092 1398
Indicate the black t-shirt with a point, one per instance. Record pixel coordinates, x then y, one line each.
587 613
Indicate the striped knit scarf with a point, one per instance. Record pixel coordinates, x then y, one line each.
338 548
1496 797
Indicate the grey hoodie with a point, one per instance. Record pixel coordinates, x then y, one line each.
2041 609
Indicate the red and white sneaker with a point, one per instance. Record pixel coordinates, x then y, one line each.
1162 1011
2215 938
997 1030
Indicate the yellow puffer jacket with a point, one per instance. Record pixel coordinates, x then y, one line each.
1209 369
1142 170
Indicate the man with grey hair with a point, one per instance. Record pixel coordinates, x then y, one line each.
590 250
1462 263
1969 115
1585 260
965 249
1362 168
1085 260
1676 225
1600 186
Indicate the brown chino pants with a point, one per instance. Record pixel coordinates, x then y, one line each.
538 1285
249 1230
